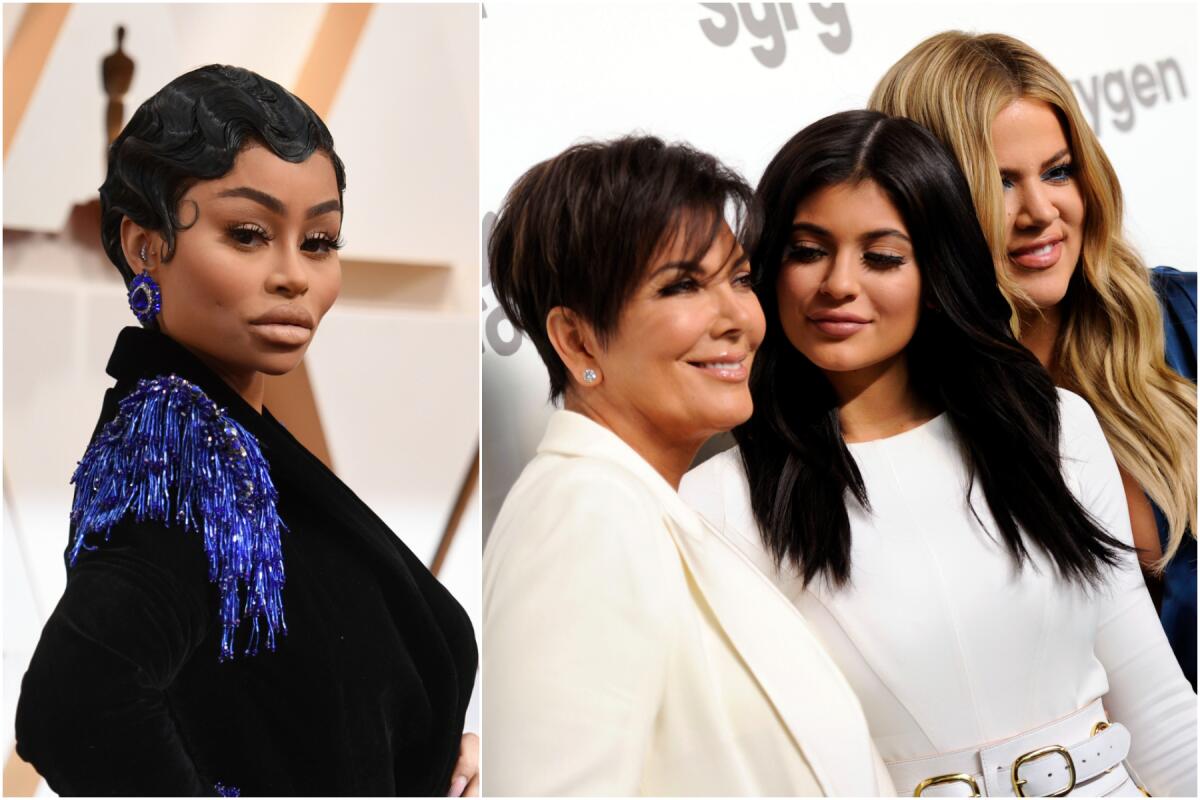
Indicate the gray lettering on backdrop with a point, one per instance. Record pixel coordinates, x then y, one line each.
485 237
493 333
831 14
1122 91
770 27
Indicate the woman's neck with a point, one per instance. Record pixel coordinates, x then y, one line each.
669 457
249 384
878 401
1039 334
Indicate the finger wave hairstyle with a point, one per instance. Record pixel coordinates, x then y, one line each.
192 130
580 230
1110 348
962 358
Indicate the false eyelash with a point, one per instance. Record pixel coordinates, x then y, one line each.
1067 168
249 227
331 242
805 254
882 260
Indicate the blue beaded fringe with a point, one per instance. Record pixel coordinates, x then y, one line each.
173 456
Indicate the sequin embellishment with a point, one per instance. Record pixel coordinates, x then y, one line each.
171 455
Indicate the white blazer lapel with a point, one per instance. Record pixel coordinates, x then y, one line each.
803 684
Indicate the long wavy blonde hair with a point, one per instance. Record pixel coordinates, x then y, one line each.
1110 345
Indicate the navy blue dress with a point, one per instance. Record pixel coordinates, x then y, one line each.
1177 296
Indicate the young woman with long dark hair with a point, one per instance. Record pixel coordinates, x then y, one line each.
952 525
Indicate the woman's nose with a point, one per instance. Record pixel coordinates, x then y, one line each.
289 277
841 281
1037 210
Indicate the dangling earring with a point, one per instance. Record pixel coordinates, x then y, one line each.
145 299
589 376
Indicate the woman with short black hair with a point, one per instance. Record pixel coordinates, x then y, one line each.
631 649
235 619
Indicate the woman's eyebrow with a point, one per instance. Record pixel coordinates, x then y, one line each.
270 202
274 204
686 267
871 236
1060 154
323 208
808 227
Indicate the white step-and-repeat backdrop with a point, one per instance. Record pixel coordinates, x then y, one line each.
739 79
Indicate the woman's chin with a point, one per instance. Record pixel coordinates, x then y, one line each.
725 417
280 364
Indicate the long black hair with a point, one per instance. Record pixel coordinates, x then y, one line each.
963 358
190 130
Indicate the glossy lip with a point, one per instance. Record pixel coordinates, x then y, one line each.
286 326
1023 256
837 324
719 367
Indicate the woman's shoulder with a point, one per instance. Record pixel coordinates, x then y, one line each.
559 497
699 487
1169 282
1176 292
170 468
583 531
1072 407
718 491
583 480
1080 434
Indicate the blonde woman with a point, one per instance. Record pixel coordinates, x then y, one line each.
1083 301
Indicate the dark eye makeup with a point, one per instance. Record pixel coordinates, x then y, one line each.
250 234
321 242
808 254
1061 172
247 234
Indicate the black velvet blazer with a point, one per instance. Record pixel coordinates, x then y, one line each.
365 695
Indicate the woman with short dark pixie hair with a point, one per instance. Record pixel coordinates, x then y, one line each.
631 649
235 619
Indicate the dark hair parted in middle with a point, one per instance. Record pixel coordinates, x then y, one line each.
191 130
579 230
963 358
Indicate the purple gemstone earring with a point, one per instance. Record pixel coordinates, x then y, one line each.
145 299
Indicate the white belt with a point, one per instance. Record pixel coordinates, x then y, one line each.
1081 754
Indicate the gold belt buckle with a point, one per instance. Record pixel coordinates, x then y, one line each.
1034 755
958 777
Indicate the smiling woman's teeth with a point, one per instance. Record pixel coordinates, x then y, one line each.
1041 251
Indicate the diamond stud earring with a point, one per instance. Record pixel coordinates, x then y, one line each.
589 376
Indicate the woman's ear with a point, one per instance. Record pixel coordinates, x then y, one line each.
576 344
139 246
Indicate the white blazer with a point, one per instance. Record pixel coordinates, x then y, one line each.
630 649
